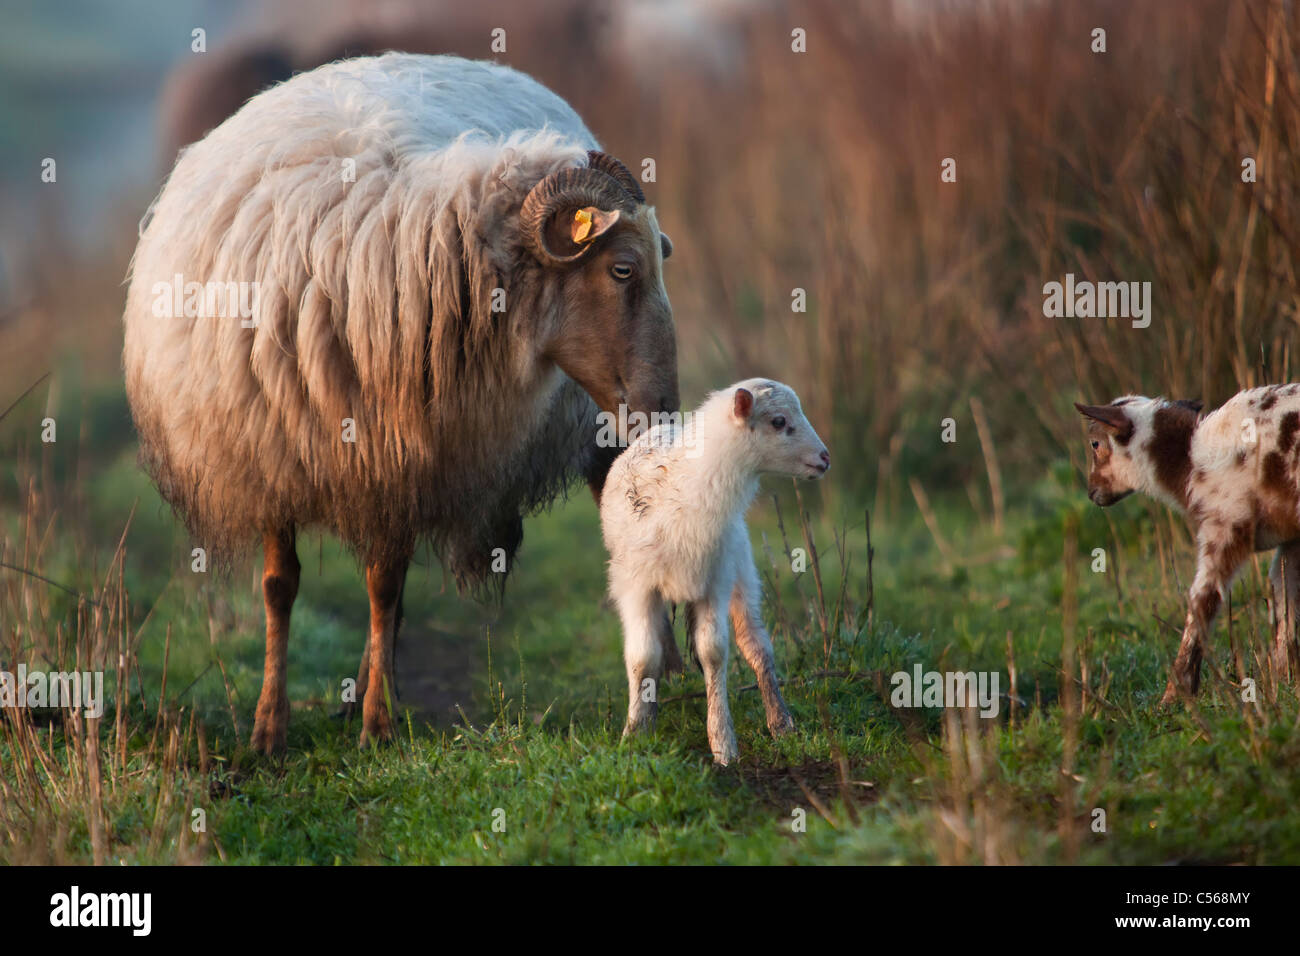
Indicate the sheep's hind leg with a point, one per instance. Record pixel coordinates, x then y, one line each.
1284 575
279 588
643 655
353 707
756 647
711 646
384 582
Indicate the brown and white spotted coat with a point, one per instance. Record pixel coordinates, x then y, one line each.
1235 474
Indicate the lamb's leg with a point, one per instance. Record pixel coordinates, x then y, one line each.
756 646
1219 554
668 642
279 588
384 580
711 646
643 655
1284 575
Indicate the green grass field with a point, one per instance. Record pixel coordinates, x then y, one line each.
820 240
516 753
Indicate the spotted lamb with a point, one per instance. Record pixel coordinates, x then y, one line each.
1235 474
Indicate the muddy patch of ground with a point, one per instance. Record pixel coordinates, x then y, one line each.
435 673
819 783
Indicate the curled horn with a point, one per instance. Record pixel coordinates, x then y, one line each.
572 188
612 167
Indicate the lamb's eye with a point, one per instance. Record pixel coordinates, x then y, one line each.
621 271
779 422
1096 445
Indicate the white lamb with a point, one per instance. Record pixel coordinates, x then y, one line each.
673 516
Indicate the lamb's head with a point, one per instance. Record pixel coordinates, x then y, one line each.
591 231
1114 474
1127 438
778 439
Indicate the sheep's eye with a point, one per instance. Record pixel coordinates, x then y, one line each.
1096 445
621 271
779 422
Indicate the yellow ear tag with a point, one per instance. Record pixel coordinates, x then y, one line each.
583 227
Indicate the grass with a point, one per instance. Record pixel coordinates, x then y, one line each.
924 299
528 764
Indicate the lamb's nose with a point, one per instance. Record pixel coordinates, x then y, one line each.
826 458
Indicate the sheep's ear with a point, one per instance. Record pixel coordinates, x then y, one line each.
1106 414
666 243
1195 404
590 223
744 404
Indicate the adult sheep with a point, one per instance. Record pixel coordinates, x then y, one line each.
448 281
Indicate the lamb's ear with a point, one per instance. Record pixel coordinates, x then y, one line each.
744 404
1106 414
1195 404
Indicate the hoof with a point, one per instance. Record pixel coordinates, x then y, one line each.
271 723
642 721
376 738
376 727
781 724
725 751
1174 693
269 737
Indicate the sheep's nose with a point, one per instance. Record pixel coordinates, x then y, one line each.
826 458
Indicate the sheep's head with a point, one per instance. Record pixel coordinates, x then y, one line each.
780 440
1114 474
591 228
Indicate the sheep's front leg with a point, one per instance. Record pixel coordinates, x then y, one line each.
384 582
1219 554
709 637
642 614
755 645
1284 575
279 588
